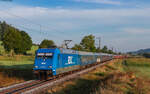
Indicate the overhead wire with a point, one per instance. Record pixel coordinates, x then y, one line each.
40 30
27 20
22 26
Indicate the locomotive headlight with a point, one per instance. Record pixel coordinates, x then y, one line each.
36 66
50 66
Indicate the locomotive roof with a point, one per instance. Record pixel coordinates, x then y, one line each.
45 50
69 51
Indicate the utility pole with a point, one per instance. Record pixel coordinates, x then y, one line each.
99 44
66 42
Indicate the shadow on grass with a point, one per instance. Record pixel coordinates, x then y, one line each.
21 67
85 86
18 71
100 74
138 65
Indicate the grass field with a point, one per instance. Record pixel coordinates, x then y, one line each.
16 62
119 77
15 69
140 66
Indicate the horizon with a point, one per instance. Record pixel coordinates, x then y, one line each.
123 25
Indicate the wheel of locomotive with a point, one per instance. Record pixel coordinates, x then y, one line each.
40 76
37 76
45 75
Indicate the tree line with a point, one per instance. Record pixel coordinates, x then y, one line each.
88 44
19 42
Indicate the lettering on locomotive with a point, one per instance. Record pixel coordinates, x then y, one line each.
70 60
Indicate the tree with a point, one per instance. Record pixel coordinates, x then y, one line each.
47 44
3 28
88 43
26 42
77 47
104 49
121 53
12 40
0 31
110 52
98 50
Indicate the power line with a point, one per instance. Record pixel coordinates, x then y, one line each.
41 27
30 29
11 14
31 22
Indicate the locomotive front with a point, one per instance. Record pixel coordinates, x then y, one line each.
43 65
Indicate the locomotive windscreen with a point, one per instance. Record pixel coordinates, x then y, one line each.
44 55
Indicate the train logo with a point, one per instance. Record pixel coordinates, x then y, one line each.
70 60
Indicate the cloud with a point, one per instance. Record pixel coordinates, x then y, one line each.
137 30
108 16
75 19
23 11
59 24
112 2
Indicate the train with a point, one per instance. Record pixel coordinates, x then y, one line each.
120 56
55 61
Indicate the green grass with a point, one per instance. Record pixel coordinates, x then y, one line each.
33 49
16 62
140 66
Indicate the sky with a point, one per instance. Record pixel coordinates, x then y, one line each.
123 25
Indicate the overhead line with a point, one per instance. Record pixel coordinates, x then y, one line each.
31 22
20 17
27 28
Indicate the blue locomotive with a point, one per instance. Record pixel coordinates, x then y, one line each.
52 62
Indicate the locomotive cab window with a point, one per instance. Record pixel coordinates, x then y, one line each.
44 55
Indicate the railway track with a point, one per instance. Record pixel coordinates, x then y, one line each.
36 86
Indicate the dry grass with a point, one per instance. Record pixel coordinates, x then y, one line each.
15 69
13 76
113 78
6 80
85 84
